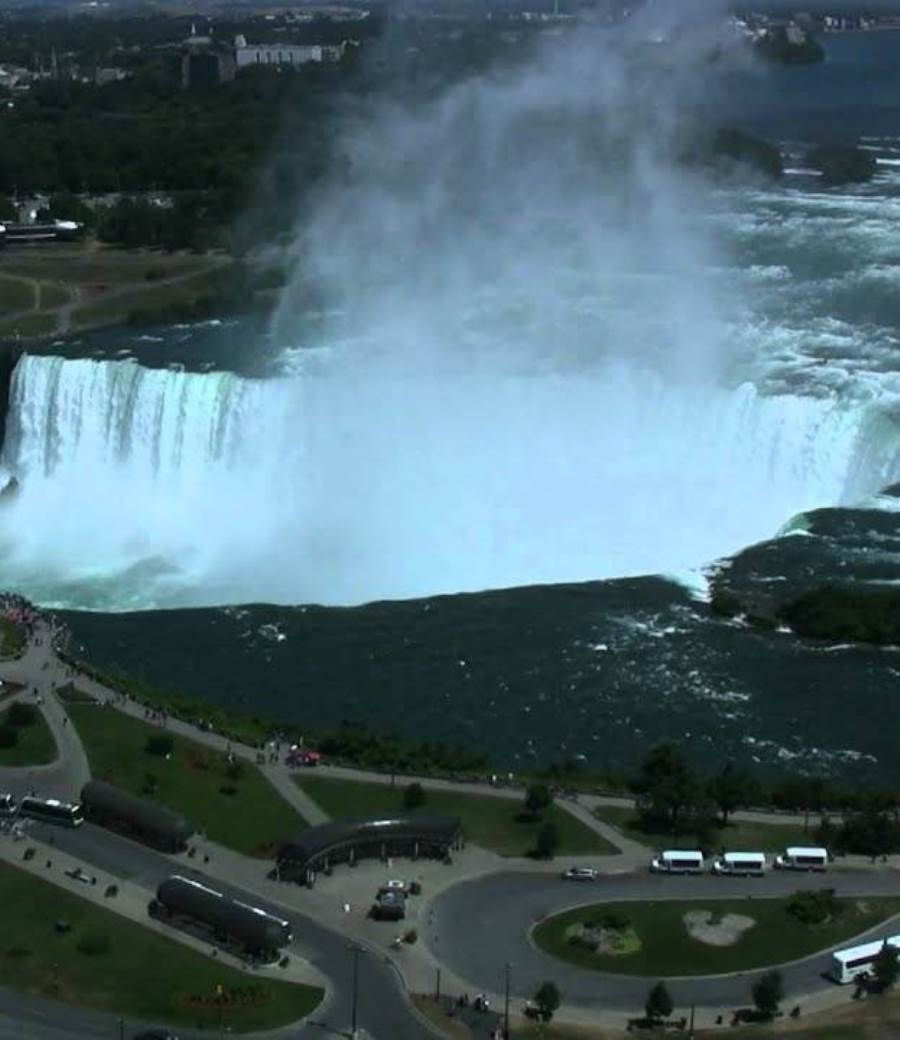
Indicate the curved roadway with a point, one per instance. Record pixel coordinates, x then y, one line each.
477 927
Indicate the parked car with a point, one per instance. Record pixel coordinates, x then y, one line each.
580 874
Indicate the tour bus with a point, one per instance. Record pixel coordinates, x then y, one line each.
849 964
677 861
742 864
799 858
50 810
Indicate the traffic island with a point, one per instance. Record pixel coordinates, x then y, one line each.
666 939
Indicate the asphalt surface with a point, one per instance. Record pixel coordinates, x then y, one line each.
382 1009
476 927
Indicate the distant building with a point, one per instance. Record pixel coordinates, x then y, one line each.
205 62
284 53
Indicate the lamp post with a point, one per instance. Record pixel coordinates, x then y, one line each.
506 1005
356 952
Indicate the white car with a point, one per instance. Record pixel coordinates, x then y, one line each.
580 874
394 885
7 805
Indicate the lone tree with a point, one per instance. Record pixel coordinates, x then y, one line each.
547 999
730 789
666 787
537 799
547 840
414 796
768 992
658 1005
885 968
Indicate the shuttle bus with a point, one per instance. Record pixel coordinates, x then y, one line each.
799 858
850 964
740 864
677 861
49 810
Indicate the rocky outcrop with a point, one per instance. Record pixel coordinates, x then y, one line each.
842 163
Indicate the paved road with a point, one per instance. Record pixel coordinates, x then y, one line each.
479 926
383 1011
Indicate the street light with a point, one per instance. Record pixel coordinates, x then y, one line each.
357 950
506 1005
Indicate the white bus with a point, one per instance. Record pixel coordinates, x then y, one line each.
800 858
677 861
742 864
49 810
849 964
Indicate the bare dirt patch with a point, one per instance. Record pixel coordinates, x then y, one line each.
709 928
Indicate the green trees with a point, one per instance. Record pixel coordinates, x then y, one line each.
730 789
768 993
658 1005
670 795
885 968
537 799
547 998
160 744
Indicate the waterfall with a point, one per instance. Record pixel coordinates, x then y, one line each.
347 483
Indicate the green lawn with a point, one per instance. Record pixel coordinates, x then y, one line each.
141 974
16 294
490 822
666 949
739 835
35 746
148 297
246 813
30 323
12 639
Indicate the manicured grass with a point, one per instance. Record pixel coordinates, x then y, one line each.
668 950
30 323
147 297
16 294
35 746
52 294
739 835
141 974
12 639
490 822
253 818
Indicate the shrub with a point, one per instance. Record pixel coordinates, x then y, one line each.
9 735
814 907
18 952
22 714
547 840
768 992
93 944
411 936
615 920
160 744
228 789
111 890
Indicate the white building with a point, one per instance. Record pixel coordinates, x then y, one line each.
284 53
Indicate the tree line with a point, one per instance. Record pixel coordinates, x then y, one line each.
675 799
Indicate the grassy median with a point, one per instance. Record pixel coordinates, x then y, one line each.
492 822
235 806
56 945
34 744
660 945
748 836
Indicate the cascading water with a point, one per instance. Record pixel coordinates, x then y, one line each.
552 355
155 488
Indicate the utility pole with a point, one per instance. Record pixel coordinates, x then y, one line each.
691 1028
356 953
506 1005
